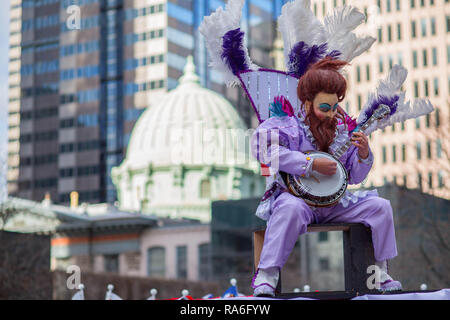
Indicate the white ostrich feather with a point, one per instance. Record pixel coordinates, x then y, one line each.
389 88
339 36
298 23
213 28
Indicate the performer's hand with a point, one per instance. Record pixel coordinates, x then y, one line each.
360 140
324 166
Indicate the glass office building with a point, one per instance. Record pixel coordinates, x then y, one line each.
82 72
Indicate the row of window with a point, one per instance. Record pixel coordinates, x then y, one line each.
82 120
434 57
79 171
81 96
39 136
131 38
403 151
421 180
68 3
39 48
133 13
156 261
79 146
37 3
40 22
39 67
79 48
39 160
138 62
39 114
81 72
40 183
132 88
426 88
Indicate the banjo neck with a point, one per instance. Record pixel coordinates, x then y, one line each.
360 128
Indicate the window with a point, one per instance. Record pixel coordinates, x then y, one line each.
436 86
433 26
440 179
400 59
203 261
399 31
358 74
429 149
403 153
447 19
384 154
405 180
388 5
419 180
324 264
417 123
391 61
413 29
181 262
425 57
359 102
394 153
323 236
430 180
111 263
425 86
422 3
415 59
438 120
205 189
434 56
389 33
397 5
419 151
380 61
367 72
413 3
156 264
380 35
416 89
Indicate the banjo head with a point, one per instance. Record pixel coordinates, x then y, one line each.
318 189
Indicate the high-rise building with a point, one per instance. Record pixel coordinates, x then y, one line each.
82 71
414 34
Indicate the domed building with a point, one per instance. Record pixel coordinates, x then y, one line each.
186 151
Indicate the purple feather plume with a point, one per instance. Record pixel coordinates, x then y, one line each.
303 55
233 53
390 102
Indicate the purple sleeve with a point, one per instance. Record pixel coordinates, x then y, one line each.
358 168
274 143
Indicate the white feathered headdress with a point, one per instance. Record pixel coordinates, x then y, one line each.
306 41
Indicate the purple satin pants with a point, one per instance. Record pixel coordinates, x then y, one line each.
291 216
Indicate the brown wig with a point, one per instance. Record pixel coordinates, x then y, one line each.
323 76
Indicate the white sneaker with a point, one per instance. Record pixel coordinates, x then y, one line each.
265 281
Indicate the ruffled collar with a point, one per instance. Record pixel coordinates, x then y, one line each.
340 135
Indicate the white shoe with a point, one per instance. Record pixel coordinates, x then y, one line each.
265 281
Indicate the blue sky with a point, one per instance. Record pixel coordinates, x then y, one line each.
4 48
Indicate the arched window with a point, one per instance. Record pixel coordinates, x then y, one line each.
156 262
205 189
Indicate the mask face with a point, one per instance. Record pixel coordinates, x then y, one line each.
325 105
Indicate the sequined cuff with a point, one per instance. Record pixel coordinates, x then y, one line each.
368 160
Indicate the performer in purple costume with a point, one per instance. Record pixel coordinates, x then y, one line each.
322 126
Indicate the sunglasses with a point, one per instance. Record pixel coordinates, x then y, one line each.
325 107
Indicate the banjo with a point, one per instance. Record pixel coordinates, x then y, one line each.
320 190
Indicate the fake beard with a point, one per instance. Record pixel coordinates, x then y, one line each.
323 131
